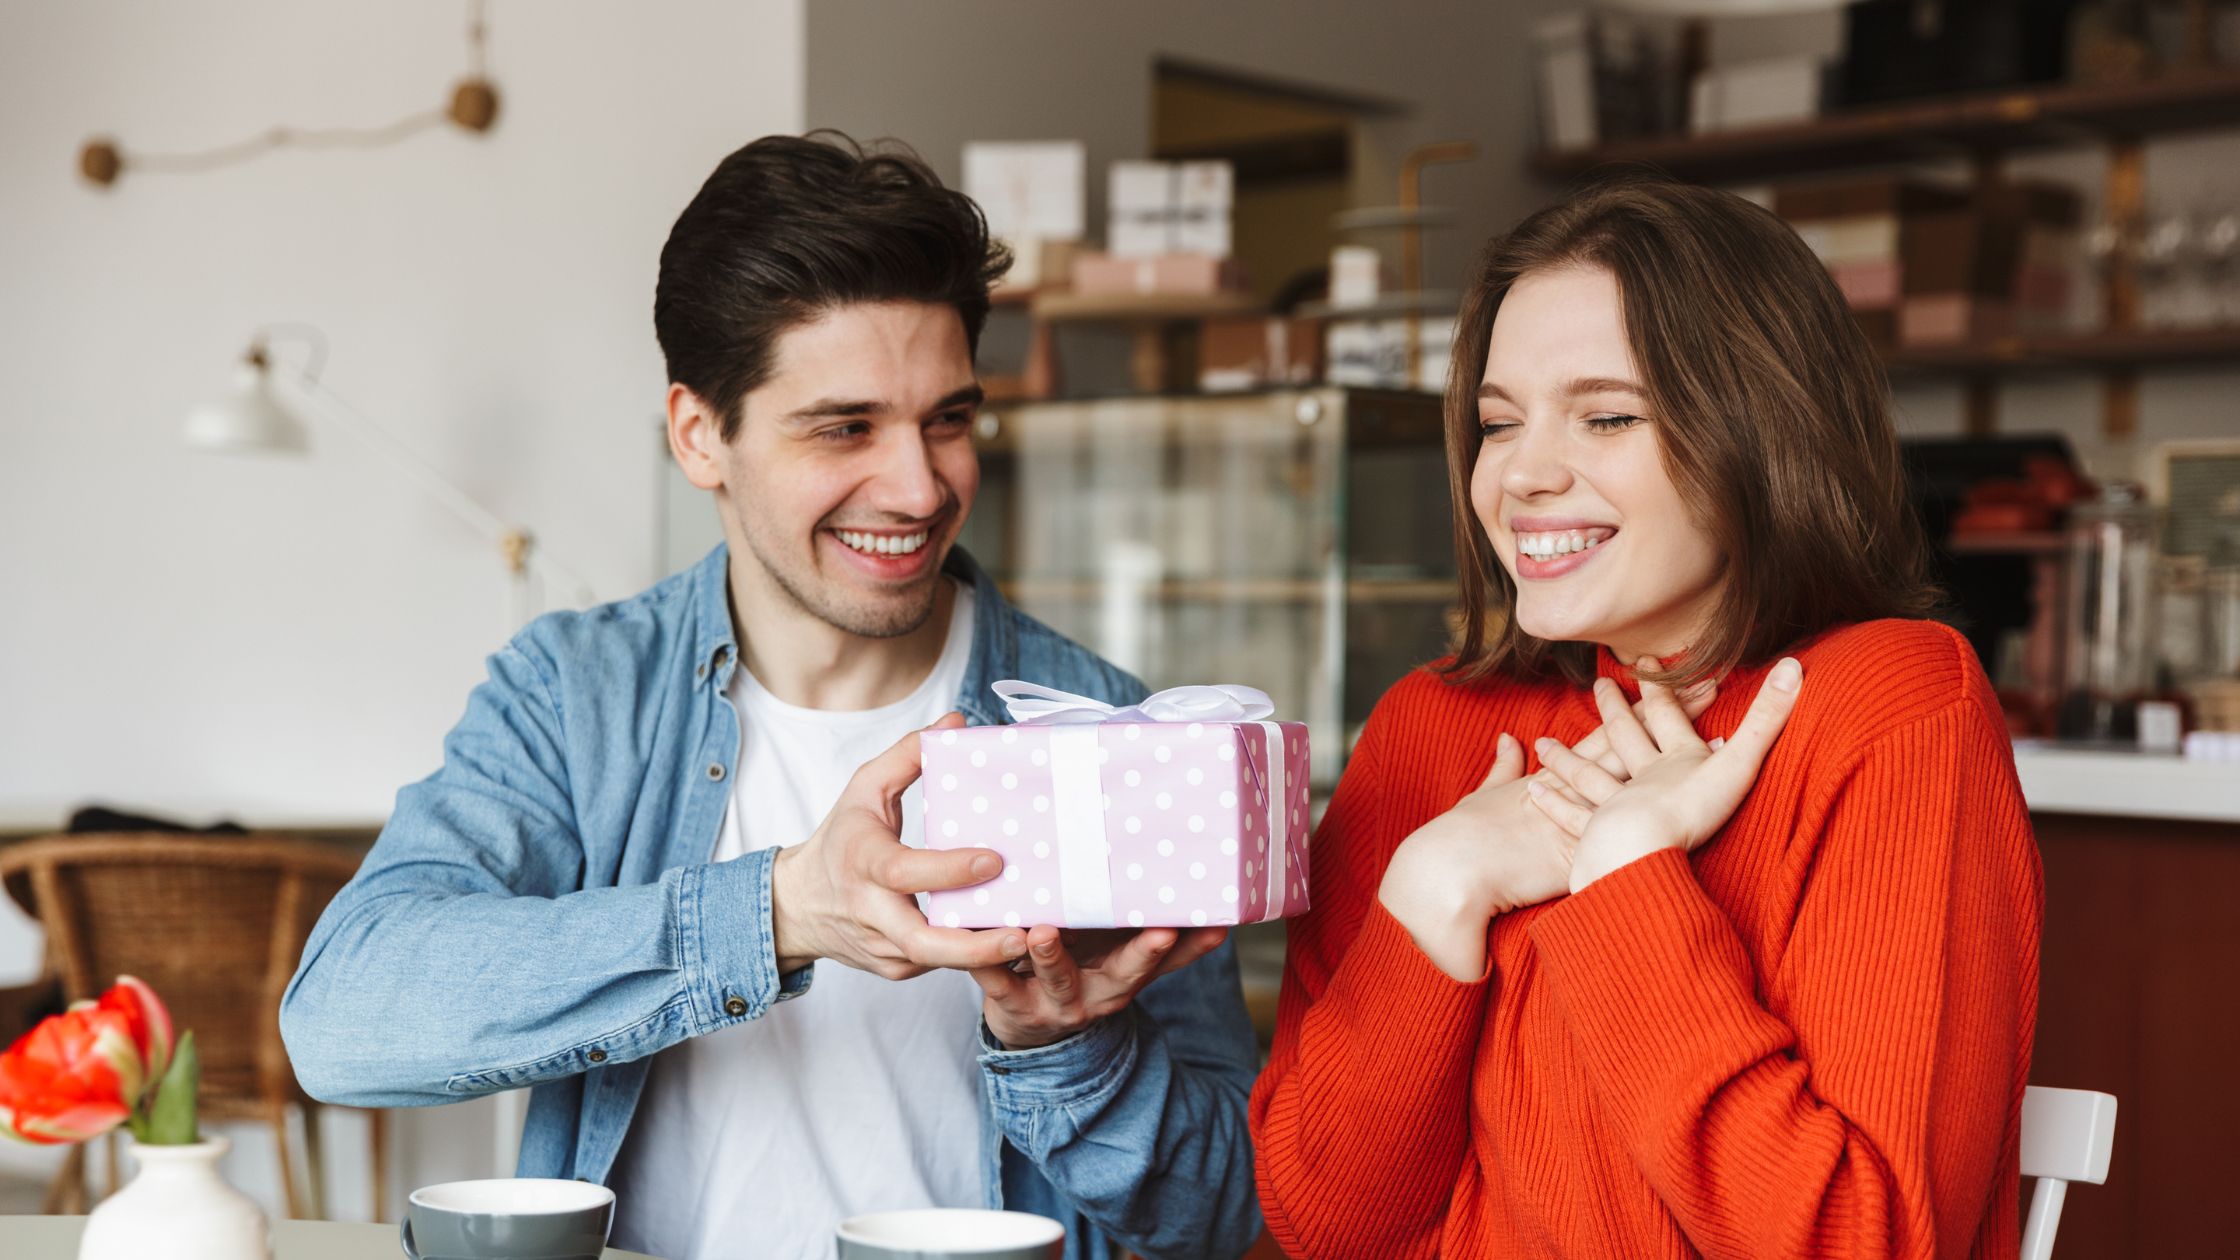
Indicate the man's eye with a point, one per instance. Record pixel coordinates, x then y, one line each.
1611 424
843 432
953 419
1495 430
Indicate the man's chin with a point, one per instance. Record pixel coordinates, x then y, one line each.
879 612
887 619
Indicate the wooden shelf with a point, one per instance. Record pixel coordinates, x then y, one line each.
1241 590
1922 130
2032 543
1441 302
1140 308
2070 352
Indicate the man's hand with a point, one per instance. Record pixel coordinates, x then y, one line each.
848 892
1073 984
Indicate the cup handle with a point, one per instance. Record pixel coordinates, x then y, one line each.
404 1239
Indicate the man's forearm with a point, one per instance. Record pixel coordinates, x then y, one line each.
413 992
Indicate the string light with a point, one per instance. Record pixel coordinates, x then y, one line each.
473 107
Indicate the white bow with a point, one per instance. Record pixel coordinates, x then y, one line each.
1030 703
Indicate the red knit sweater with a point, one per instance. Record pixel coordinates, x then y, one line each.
1808 1038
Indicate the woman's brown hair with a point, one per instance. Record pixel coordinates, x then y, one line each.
1771 410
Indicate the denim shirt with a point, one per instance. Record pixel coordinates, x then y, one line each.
541 911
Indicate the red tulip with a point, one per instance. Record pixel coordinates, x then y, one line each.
81 1073
149 1020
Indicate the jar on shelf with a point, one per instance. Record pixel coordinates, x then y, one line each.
2109 641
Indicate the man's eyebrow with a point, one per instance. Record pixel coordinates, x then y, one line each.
1574 387
832 408
963 396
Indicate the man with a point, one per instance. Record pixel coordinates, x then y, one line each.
651 880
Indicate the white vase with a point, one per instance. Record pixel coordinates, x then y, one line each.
178 1208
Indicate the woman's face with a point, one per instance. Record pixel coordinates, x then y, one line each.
1570 482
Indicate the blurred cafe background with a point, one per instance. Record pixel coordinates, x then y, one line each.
326 362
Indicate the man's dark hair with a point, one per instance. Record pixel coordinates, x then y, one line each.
790 227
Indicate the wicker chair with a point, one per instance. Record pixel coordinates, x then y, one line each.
216 925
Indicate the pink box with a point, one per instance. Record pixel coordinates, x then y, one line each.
1121 824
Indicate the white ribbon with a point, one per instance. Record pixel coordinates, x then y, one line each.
1077 787
1035 705
1279 822
1077 811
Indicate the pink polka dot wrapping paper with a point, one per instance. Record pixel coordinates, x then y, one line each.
1171 824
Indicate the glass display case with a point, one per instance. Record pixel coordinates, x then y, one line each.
1296 540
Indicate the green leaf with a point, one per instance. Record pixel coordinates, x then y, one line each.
171 1118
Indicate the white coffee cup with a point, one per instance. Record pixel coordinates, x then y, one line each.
951 1234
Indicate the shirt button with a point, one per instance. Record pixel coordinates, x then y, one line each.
597 1056
734 1007
715 772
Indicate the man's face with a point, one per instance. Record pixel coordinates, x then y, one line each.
853 467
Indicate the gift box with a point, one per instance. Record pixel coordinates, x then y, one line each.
1187 810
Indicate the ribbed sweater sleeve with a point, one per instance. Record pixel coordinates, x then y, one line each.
1361 1118
1856 1106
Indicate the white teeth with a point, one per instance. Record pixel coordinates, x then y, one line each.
881 544
1561 542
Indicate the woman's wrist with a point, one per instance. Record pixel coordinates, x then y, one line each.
1602 851
1446 922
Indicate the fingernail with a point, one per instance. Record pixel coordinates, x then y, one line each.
1648 664
1543 744
1717 743
1507 740
1013 946
1535 787
987 866
1046 949
1788 675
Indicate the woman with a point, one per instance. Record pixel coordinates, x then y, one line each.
1686 989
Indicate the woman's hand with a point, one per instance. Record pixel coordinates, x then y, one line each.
1677 791
1493 852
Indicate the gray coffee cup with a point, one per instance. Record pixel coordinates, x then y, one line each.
951 1234
513 1218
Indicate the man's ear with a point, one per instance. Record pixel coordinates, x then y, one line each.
695 438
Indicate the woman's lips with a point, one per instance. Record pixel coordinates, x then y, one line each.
1560 551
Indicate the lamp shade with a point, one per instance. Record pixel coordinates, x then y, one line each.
249 419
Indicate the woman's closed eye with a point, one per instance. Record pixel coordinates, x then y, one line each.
1499 430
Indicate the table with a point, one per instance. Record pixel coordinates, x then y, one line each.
56 1238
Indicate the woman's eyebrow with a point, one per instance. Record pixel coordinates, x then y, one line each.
1574 388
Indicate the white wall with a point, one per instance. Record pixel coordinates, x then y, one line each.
288 641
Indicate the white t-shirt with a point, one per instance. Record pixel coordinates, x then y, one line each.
860 1095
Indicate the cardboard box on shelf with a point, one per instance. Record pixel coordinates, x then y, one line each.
1946 318
1236 354
1374 353
1102 273
1169 208
1755 94
1039 263
2002 265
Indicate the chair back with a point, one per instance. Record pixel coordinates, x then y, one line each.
215 924
2067 1135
